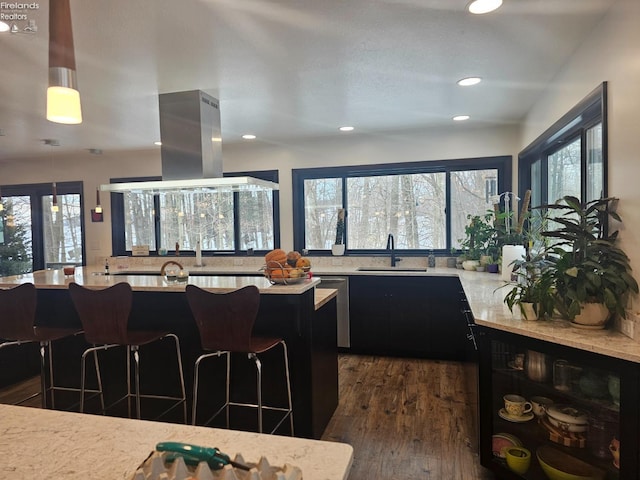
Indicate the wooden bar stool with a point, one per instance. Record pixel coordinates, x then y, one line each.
17 327
104 315
225 322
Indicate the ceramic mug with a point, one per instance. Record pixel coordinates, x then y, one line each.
516 406
539 405
518 459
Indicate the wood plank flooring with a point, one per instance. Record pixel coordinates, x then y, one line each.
407 419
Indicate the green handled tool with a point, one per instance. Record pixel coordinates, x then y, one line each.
194 454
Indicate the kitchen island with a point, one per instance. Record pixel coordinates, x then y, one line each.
301 314
68 446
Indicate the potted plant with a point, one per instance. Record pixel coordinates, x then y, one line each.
591 273
533 291
478 233
338 246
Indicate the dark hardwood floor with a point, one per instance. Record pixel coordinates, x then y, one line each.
407 419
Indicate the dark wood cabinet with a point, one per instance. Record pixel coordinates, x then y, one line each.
602 389
408 315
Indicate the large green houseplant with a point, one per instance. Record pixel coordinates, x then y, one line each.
589 268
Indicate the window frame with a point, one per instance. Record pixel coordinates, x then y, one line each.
589 112
36 191
502 163
118 240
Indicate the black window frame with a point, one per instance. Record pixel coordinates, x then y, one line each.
36 192
503 163
118 241
574 124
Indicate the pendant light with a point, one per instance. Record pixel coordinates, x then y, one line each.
54 199
54 190
98 208
63 97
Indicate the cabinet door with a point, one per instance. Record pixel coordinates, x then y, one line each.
369 313
568 408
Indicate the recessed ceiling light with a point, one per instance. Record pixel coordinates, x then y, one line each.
346 129
158 143
4 27
461 118
468 81
484 6
249 137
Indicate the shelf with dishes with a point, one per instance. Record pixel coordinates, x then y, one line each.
561 415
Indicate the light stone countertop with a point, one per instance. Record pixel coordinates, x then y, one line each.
48 444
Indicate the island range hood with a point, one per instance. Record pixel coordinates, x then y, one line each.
191 150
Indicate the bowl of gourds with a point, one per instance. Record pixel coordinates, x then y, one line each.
282 268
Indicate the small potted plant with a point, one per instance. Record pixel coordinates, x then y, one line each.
338 247
478 233
533 290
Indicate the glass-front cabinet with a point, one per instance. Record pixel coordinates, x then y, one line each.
553 412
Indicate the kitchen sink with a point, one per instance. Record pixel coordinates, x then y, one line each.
391 269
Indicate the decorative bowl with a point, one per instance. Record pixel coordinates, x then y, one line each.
504 440
558 465
568 418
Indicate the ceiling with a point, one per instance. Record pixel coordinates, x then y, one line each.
287 69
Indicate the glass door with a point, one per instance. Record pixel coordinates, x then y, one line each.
556 410
15 235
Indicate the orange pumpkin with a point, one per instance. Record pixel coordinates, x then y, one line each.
277 255
303 262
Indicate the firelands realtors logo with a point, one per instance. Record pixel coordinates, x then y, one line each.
14 17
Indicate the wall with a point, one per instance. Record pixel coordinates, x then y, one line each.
612 54
459 141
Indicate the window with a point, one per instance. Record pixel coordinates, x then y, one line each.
570 157
424 204
221 221
35 237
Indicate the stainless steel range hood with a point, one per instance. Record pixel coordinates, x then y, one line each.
191 150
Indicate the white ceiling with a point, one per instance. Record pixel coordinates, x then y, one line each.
288 68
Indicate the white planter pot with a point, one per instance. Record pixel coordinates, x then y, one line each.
470 264
511 253
337 250
593 315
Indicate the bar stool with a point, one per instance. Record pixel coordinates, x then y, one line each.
104 315
225 322
18 327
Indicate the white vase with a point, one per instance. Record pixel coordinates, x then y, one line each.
511 253
337 250
470 264
592 315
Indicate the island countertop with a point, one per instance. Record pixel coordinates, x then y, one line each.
39 443
92 277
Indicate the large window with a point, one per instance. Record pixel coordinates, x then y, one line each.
225 221
570 157
423 204
35 235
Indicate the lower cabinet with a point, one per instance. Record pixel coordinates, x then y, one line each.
549 411
408 315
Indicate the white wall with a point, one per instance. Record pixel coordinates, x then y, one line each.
349 149
612 54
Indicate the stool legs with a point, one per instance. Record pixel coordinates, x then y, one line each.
258 364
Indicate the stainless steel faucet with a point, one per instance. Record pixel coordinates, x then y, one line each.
391 246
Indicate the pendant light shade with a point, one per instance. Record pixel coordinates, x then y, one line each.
63 97
98 208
